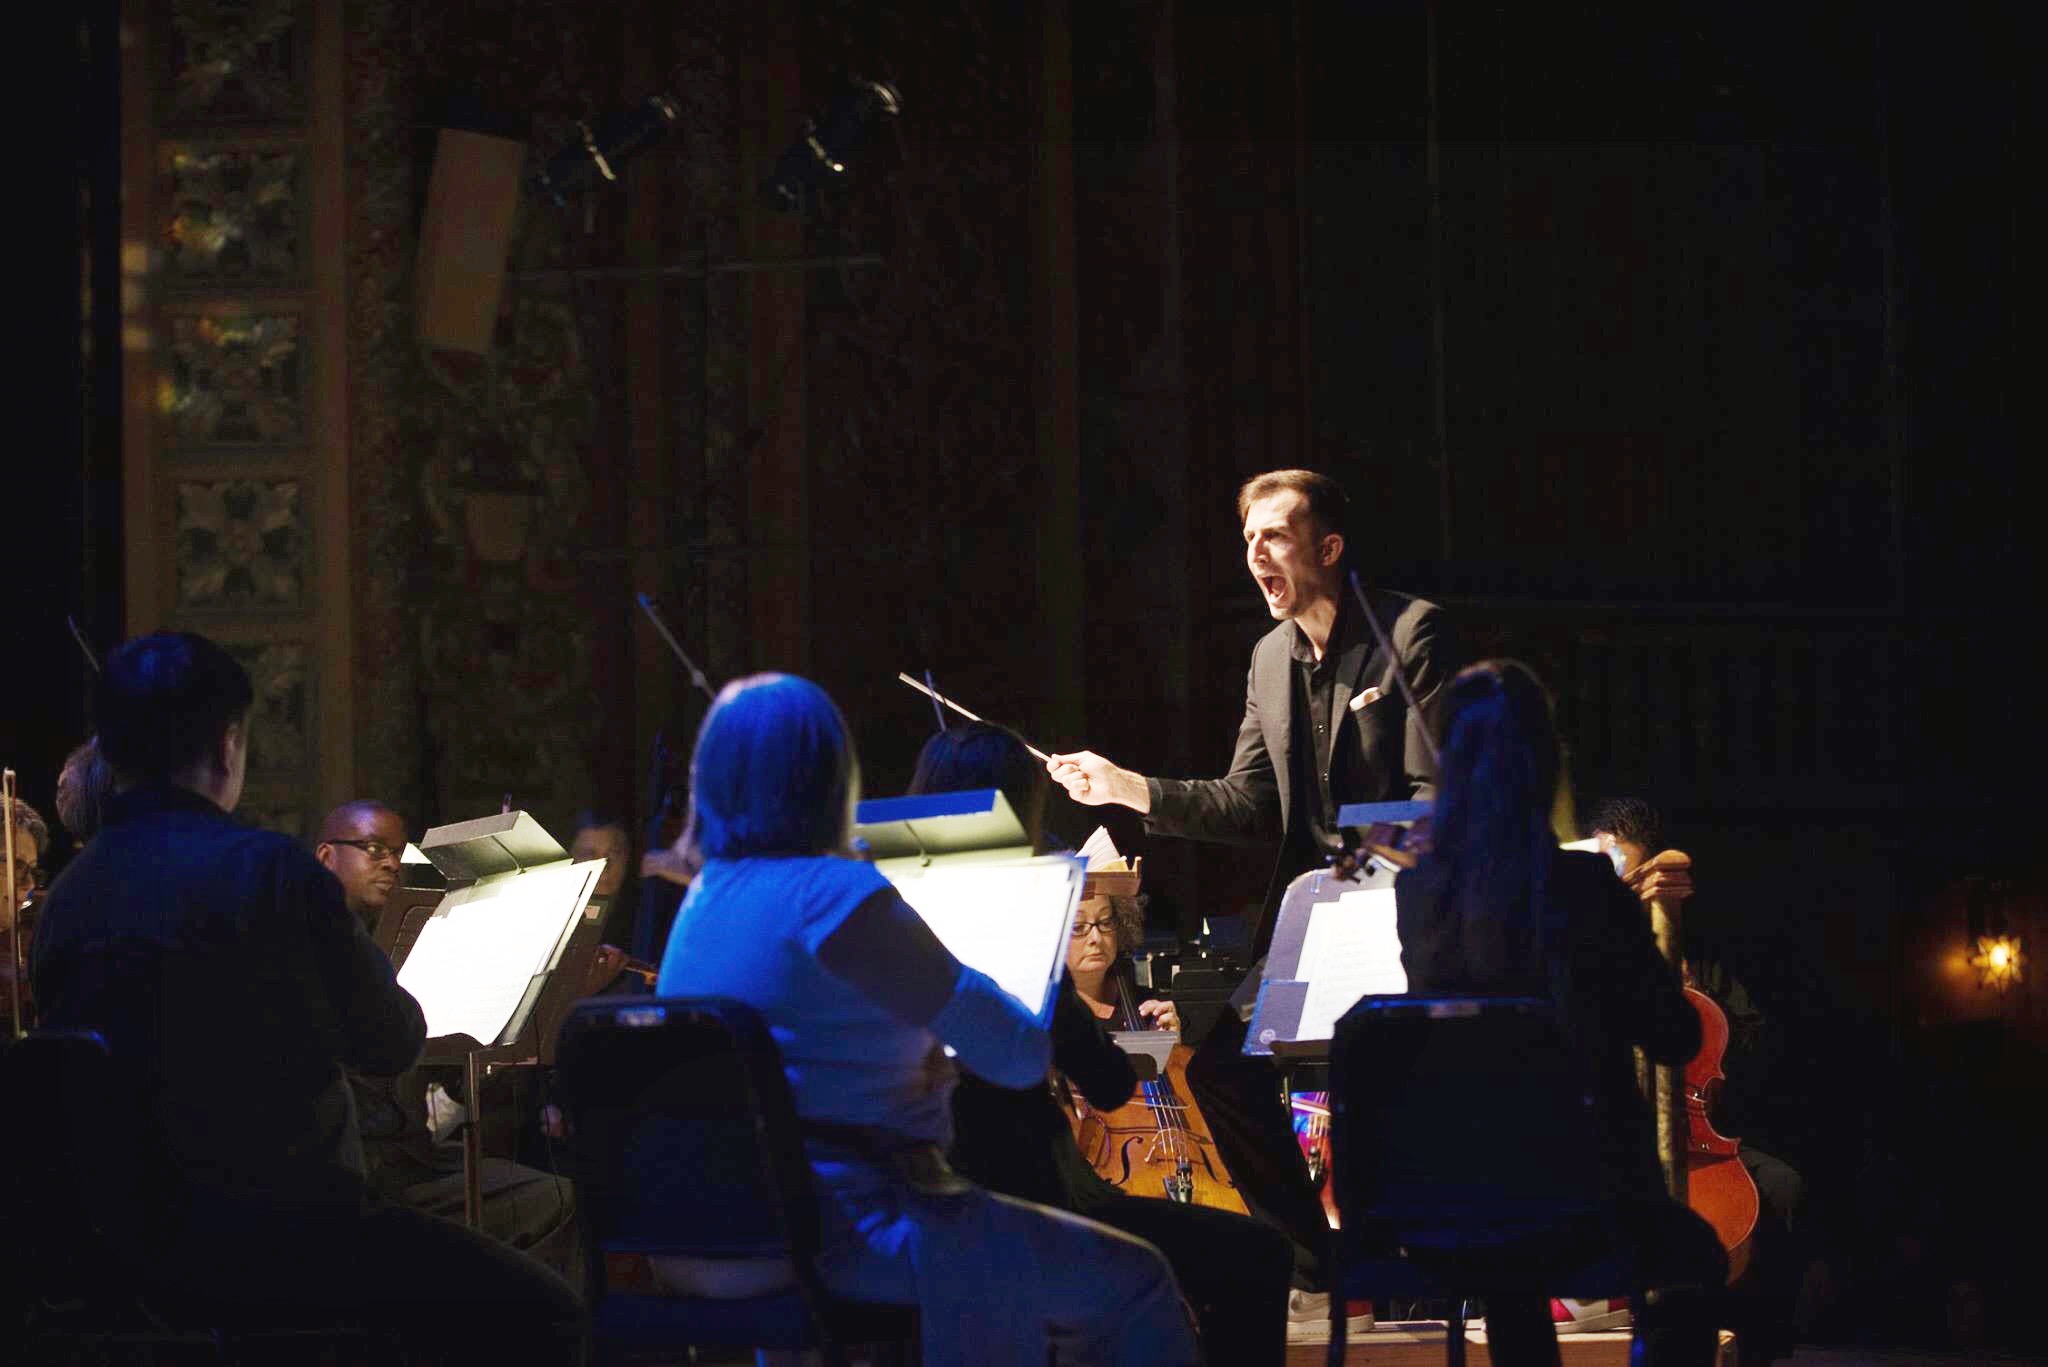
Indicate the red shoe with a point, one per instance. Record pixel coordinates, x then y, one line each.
1589 1317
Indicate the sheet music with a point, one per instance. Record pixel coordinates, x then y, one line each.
478 953
1098 849
1351 949
1011 921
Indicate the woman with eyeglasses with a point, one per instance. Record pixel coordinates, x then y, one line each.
860 996
1236 1271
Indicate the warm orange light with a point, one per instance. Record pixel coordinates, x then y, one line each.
1999 961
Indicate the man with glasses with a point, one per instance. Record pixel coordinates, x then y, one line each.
362 844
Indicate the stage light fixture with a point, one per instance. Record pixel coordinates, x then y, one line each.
1999 961
826 145
602 148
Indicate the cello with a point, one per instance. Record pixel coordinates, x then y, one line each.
1156 1144
1717 1187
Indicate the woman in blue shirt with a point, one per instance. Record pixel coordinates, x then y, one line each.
860 996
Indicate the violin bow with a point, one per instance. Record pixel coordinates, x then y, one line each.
1400 674
84 647
940 698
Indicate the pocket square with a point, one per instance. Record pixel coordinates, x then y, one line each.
1365 699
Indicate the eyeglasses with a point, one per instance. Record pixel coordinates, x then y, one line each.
1107 925
376 851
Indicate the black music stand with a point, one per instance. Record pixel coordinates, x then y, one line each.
483 959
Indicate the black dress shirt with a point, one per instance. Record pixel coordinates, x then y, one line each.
233 985
1321 767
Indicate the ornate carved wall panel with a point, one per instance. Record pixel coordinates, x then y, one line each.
232 456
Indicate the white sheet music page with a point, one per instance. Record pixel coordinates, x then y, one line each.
1352 948
1098 849
1009 920
476 955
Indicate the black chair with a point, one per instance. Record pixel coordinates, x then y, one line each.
79 1185
1466 1154
684 1143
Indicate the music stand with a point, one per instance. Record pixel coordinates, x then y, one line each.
480 963
964 863
1333 942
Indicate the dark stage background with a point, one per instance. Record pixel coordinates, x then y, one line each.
1678 354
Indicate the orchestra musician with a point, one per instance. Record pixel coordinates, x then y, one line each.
31 842
1496 907
361 844
1234 1270
83 786
1326 722
233 986
860 995
598 837
1763 1300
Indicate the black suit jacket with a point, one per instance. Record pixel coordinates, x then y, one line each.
1255 803
233 984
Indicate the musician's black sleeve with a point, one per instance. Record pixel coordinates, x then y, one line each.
886 952
1083 1051
379 1028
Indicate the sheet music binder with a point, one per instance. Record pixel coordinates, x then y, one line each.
513 902
923 844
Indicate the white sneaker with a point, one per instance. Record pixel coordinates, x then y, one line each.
1308 1317
1589 1317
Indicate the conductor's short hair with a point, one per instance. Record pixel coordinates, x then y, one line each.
1328 507
162 702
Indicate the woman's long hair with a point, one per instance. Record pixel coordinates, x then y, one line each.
979 754
1501 798
774 772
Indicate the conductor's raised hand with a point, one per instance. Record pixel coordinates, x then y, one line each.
1093 781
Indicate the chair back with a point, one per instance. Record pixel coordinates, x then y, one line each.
1459 1123
684 1136
73 1176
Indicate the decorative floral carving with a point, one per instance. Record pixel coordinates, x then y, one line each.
241 544
236 61
234 378
280 720
234 214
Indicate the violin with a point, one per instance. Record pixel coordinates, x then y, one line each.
1717 1187
1158 1143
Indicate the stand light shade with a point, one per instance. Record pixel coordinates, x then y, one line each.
465 238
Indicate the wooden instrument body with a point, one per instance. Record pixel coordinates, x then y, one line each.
1717 1187
1157 1144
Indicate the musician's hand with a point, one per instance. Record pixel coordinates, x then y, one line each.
1093 781
1664 878
667 864
1160 1014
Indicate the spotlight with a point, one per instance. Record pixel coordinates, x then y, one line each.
821 152
1999 961
600 150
